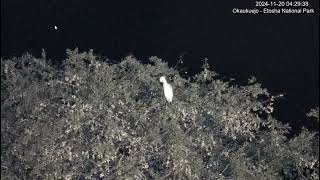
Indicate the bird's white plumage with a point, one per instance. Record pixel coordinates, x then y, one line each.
167 89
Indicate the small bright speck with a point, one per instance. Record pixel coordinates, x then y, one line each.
55 27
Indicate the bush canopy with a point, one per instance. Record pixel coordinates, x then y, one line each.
91 118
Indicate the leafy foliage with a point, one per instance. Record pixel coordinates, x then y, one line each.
93 119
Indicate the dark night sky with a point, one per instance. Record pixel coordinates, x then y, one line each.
282 51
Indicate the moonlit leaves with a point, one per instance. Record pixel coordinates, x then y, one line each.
167 89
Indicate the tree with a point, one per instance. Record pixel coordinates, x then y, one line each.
91 118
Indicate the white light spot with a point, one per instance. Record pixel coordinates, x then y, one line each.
55 27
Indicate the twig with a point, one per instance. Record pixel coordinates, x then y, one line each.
300 172
225 169
180 59
273 98
66 83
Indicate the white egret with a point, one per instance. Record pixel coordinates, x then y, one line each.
167 89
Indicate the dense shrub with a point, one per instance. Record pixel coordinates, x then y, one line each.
93 119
